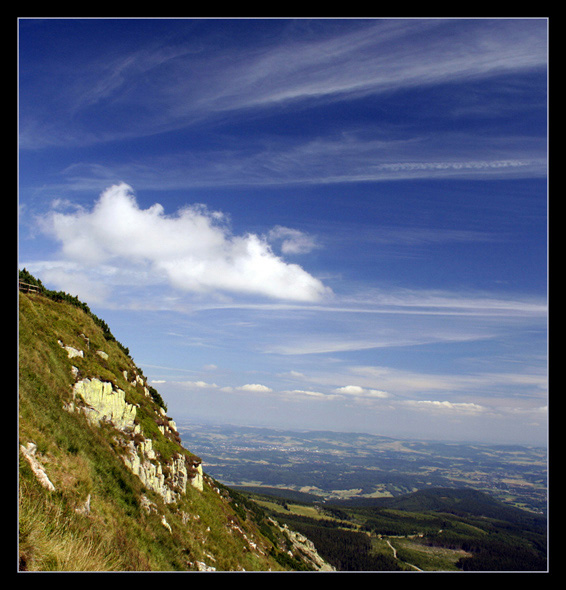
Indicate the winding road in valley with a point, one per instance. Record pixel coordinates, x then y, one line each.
395 556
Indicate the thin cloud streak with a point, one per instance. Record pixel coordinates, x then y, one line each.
407 302
341 160
343 343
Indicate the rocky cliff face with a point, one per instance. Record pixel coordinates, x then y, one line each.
105 483
100 401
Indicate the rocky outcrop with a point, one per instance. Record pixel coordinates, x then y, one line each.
101 402
28 452
104 403
306 547
71 352
108 454
141 460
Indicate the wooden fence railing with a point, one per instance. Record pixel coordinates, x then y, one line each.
27 288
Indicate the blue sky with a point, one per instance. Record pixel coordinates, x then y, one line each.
302 223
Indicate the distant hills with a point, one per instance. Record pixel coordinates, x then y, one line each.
106 483
337 465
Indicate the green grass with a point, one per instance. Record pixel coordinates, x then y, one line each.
83 460
218 525
427 558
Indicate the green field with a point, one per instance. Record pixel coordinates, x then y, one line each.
437 530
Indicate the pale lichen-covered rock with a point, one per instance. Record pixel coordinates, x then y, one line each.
141 461
197 480
168 426
146 447
166 524
138 381
202 567
100 401
105 403
29 453
147 504
71 352
305 547
150 474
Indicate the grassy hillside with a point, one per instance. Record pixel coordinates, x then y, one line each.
97 515
82 508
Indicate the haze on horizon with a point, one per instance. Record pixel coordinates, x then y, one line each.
321 223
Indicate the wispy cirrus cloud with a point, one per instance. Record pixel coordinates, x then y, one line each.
197 385
349 157
370 56
384 319
465 408
308 394
418 385
176 84
168 86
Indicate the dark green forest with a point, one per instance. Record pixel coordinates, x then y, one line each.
494 536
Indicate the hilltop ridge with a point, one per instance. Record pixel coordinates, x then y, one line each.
105 483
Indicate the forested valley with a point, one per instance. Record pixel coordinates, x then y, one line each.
437 530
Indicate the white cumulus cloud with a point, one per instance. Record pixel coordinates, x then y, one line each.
356 390
193 249
255 387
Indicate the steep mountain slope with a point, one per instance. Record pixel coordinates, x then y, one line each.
105 484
